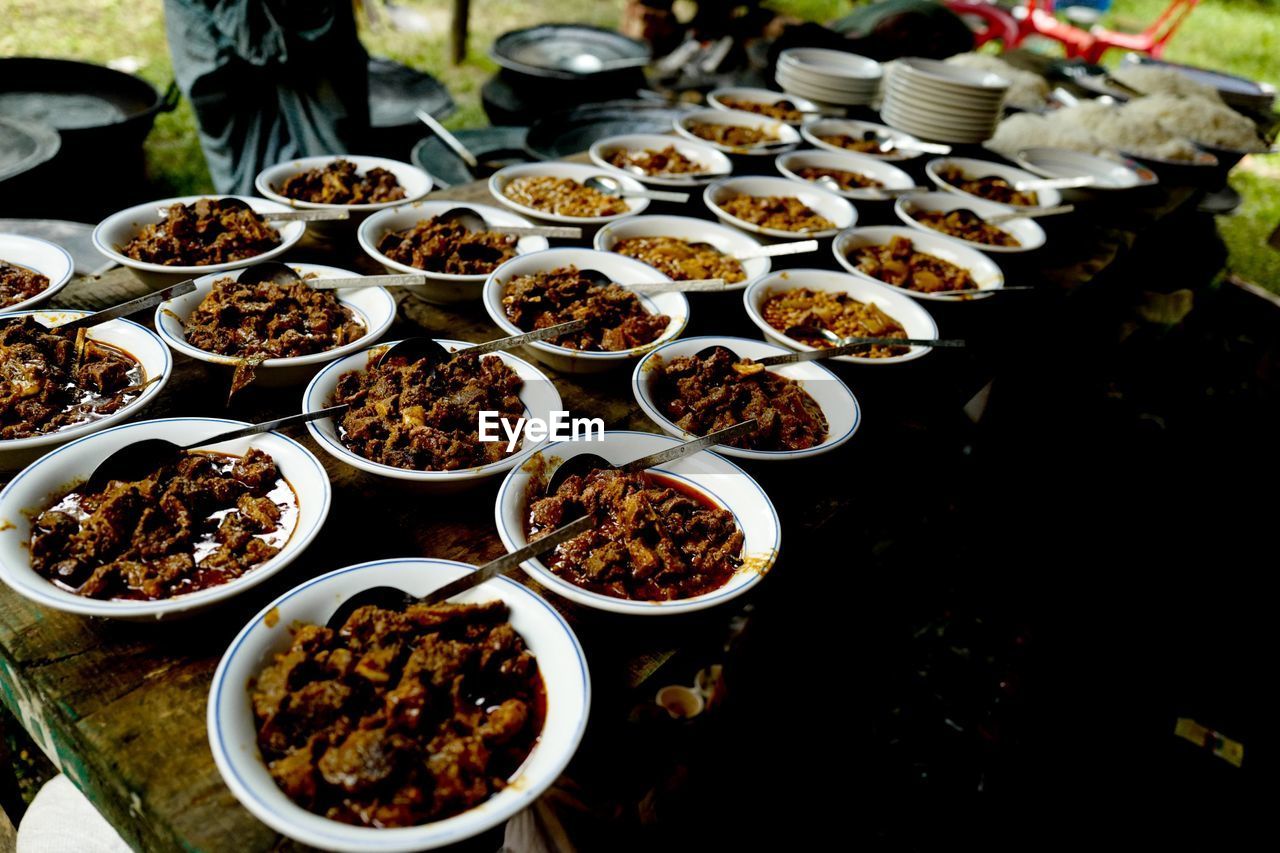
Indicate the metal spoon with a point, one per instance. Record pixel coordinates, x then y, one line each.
474 166
584 463
889 143
126 308
135 461
474 222
437 354
392 598
1029 213
1030 185
795 247
274 272
278 215
613 187
599 279
849 343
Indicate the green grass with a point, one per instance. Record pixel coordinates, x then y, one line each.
1240 36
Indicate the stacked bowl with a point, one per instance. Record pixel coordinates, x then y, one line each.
946 103
830 78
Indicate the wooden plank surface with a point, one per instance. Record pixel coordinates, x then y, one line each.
121 707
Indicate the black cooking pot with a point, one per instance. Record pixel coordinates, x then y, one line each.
102 115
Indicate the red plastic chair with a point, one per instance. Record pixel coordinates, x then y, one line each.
988 21
1037 18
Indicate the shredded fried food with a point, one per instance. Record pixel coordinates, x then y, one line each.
867 142
406 415
681 260
207 231
966 225
18 284
781 213
701 395
783 110
730 135
616 319
844 179
449 248
898 263
399 719
836 312
654 539
272 320
198 521
562 196
338 183
989 187
668 161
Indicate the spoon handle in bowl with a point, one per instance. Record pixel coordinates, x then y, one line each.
693 284
917 145
796 247
292 215
448 138
852 345
1032 213
656 195
720 436
570 232
1055 183
528 337
133 306
268 426
401 280
509 563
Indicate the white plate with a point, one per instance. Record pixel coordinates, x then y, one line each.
621 270
375 308
986 275
714 162
840 95
415 182
440 287
958 116
727 240
759 96
938 132
558 169
837 66
49 259
1027 232
850 127
825 204
233 733
33 491
1065 163
955 78
119 228
910 314
135 339
983 168
538 394
837 402
780 131
723 482
864 164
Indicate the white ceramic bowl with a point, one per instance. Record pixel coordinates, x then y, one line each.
838 404
538 394
621 270
33 490
415 182
1027 232
723 482
49 259
983 168
850 127
440 287
119 228
759 96
375 308
986 275
912 316
714 163
139 341
559 169
1107 174
233 734
864 164
779 130
727 240
826 204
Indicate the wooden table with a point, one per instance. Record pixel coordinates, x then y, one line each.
120 708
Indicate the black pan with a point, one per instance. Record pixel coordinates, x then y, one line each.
568 51
573 130
503 145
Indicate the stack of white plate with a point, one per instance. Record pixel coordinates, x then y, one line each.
829 77
946 103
